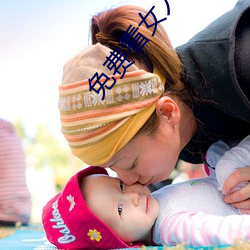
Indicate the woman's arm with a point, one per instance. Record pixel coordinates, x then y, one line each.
239 198
237 157
232 166
233 175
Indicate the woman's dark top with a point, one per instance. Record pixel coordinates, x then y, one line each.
217 67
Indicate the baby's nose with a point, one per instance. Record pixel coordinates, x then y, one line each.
133 197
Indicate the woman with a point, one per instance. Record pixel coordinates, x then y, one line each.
137 126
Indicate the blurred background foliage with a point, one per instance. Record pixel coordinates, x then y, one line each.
44 150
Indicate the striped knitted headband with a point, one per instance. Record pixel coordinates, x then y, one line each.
96 127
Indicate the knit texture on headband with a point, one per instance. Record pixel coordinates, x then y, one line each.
97 128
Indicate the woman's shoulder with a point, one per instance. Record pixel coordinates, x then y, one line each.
209 65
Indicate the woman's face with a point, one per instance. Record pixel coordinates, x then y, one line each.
148 159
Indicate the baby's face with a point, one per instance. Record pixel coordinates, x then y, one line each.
130 211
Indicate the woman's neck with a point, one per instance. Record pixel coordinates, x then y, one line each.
187 125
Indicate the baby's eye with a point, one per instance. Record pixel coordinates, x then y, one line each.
121 186
120 206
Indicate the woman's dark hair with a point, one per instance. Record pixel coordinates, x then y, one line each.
108 27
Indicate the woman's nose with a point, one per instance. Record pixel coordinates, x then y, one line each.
126 177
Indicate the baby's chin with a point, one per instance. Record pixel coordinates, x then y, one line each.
153 207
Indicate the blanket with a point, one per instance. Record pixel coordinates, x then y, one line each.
33 238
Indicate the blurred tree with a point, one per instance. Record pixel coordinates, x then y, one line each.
45 150
20 130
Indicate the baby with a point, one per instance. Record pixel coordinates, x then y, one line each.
96 211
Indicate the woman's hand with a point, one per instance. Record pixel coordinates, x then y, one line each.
240 198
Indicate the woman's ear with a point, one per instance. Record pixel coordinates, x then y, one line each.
168 110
